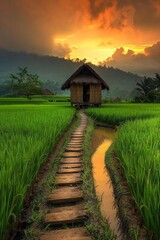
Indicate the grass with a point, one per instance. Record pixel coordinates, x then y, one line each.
37 210
27 135
137 148
139 155
116 114
35 99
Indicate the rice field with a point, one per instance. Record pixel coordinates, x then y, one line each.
116 114
27 135
137 147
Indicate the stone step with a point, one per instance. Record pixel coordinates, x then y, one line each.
66 217
65 195
66 234
67 179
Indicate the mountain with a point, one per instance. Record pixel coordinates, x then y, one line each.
49 69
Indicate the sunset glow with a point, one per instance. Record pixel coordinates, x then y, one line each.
91 29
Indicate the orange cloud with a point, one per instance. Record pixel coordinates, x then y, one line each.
91 29
142 63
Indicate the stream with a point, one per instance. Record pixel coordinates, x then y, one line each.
101 141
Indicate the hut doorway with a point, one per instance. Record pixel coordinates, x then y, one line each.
86 92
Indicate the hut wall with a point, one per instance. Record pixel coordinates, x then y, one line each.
95 93
76 93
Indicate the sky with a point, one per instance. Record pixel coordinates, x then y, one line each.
124 34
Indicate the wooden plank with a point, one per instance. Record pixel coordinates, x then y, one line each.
76 140
75 206
67 179
72 155
66 217
73 149
70 170
65 195
75 145
77 137
78 132
71 160
71 165
73 141
66 234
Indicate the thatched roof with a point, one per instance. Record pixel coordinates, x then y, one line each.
84 74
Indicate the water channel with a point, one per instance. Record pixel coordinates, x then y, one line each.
101 141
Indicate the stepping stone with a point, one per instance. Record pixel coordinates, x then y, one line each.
73 149
66 217
72 155
71 165
65 195
66 234
70 170
71 160
67 179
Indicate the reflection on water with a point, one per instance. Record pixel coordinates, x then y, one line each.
102 139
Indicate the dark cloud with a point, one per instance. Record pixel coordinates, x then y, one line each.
32 25
146 12
99 6
142 63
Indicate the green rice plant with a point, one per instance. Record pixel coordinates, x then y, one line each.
27 135
137 147
116 114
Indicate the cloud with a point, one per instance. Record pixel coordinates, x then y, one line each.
61 50
31 26
99 6
142 63
34 26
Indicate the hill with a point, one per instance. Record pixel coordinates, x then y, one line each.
54 71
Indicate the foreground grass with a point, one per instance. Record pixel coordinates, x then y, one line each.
28 134
137 147
139 155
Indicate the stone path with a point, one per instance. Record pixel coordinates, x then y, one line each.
66 203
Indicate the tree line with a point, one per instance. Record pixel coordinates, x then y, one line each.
149 89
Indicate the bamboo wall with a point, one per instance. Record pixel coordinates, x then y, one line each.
76 93
95 93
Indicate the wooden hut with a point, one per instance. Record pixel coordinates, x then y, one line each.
86 87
